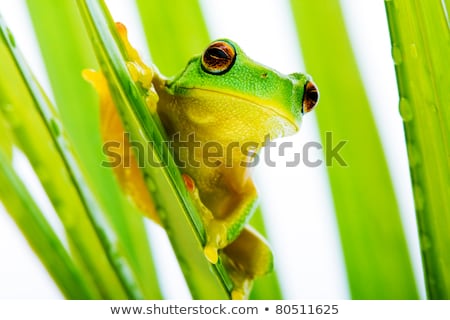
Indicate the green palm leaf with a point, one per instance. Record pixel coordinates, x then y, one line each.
373 242
78 106
175 209
421 46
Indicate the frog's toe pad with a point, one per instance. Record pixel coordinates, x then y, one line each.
237 295
211 254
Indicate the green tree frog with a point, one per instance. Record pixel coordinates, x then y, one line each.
221 103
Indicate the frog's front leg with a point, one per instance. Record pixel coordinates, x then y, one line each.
225 198
222 231
246 254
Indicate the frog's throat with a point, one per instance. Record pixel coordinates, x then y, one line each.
268 107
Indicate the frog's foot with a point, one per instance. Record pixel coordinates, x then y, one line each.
242 289
242 282
216 239
139 71
246 258
211 253
189 183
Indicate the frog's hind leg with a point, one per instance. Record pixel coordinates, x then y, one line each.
125 165
246 258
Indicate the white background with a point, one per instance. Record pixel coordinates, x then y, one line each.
297 200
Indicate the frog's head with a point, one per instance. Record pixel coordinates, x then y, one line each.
225 70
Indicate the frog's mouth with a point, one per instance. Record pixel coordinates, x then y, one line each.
309 101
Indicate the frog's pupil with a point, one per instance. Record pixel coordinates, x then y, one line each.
217 53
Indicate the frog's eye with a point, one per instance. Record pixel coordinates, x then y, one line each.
310 97
219 57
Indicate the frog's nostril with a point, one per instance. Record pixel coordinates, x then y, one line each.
310 97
